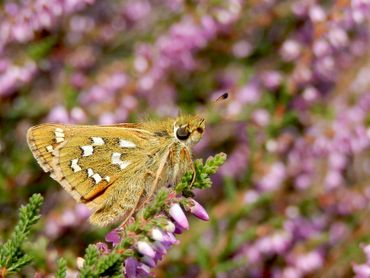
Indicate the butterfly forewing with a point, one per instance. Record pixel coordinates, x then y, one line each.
95 164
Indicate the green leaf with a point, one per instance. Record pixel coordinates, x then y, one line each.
62 268
109 265
12 257
91 258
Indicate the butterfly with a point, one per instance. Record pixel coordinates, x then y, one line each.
116 169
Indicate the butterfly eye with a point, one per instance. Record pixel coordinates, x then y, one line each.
200 130
182 133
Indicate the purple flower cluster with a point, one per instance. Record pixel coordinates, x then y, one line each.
154 245
13 76
21 22
70 218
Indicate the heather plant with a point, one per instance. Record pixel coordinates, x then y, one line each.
291 200
12 256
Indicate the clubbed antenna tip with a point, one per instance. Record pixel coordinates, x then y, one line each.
223 97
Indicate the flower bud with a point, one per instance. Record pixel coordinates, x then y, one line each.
170 227
80 262
199 211
148 261
145 249
157 234
143 270
179 216
130 267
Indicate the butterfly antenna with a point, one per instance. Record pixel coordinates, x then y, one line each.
222 97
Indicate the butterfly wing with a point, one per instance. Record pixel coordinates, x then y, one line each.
101 166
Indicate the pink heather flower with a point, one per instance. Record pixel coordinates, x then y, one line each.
242 49
261 117
68 218
80 262
130 267
143 270
250 93
366 249
271 79
170 238
274 178
309 262
199 211
148 261
136 10
144 248
361 270
321 48
113 237
333 179
338 37
82 212
178 229
78 115
317 13
251 196
179 216
102 247
107 119
58 114
159 248
291 272
290 50
157 234
310 94
280 242
170 227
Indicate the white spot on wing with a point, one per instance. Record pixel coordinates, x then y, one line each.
90 172
97 178
107 178
124 164
49 148
97 141
59 135
116 159
75 167
126 144
87 150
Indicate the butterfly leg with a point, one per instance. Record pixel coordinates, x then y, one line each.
157 176
128 217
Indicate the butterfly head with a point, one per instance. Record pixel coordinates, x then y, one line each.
189 129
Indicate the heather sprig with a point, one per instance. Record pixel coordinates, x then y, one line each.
12 256
61 268
203 171
143 242
95 265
